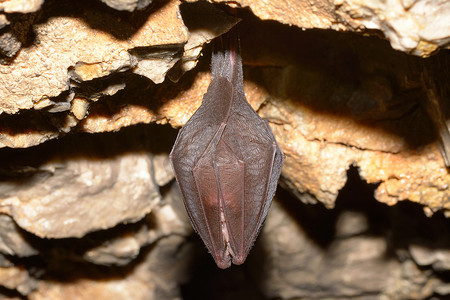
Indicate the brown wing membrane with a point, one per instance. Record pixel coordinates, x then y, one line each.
192 142
227 164
251 138
219 177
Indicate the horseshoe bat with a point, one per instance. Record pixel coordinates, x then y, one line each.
227 161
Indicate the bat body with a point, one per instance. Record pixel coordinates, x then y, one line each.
227 162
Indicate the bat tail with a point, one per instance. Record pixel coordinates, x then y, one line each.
226 59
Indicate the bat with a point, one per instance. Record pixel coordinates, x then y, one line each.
226 161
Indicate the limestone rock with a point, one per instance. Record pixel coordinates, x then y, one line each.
96 213
52 207
20 6
77 74
154 278
93 42
417 27
17 278
73 191
439 259
295 266
163 222
13 240
129 5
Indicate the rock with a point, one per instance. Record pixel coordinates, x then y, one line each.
21 6
73 191
406 24
438 259
204 22
403 23
154 277
13 240
91 74
66 42
296 266
351 223
162 168
129 5
17 278
53 208
123 247
96 213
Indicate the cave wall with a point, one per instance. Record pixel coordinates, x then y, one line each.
92 94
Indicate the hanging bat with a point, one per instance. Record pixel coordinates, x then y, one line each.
227 162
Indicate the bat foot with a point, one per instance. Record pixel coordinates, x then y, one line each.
223 262
239 260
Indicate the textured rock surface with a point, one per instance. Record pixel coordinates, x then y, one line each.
74 191
91 43
96 213
297 267
13 240
20 6
17 278
417 26
129 5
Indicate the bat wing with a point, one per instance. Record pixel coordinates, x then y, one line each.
251 140
227 163
219 178
198 138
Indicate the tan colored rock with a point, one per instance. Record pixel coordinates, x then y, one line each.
155 276
74 191
417 27
132 287
20 6
129 5
205 22
317 161
74 197
416 176
314 14
436 257
150 57
164 221
163 169
414 283
17 278
13 240
172 99
66 42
